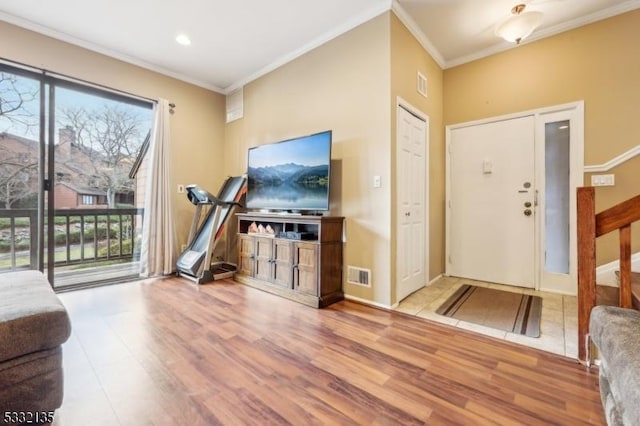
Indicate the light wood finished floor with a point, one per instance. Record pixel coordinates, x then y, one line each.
169 352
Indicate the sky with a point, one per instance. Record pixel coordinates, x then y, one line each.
310 150
65 98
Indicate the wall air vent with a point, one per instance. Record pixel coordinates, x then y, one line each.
235 105
359 276
422 84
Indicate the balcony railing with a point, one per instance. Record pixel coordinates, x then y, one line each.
82 236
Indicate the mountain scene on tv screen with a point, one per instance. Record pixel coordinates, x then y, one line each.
289 186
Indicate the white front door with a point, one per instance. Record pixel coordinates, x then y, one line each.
411 166
491 202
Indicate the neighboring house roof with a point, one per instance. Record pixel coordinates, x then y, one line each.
83 191
18 144
140 157
77 169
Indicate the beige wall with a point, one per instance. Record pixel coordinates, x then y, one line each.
342 85
197 127
407 58
597 63
350 85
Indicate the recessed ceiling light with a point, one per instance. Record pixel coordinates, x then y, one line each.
183 39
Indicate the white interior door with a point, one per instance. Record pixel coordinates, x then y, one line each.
491 202
411 259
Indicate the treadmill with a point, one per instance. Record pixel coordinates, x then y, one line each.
195 263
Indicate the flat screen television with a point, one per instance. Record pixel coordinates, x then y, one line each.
290 175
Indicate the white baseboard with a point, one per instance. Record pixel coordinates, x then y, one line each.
370 302
605 274
435 279
382 305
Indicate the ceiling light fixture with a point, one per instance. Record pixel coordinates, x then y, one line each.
520 25
183 39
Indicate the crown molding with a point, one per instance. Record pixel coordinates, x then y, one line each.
319 41
392 5
58 35
415 30
548 32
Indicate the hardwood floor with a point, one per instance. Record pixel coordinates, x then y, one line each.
169 352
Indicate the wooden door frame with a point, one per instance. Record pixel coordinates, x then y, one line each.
402 103
577 164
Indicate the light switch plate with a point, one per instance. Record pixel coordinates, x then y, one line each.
487 167
603 180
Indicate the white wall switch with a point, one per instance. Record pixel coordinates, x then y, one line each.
180 189
610 180
377 182
487 167
603 180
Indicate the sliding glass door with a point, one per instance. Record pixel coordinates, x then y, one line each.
71 171
21 169
97 214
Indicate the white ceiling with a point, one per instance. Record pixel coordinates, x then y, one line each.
463 30
234 42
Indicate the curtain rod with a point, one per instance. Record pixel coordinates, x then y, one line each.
71 79
97 86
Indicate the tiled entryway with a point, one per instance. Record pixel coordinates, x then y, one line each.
558 327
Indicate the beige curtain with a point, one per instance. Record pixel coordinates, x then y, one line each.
158 252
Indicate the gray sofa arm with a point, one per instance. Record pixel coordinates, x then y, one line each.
616 333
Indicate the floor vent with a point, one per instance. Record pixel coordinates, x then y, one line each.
359 276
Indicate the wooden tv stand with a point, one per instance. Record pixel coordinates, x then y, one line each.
301 260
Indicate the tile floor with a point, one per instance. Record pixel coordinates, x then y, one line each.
558 327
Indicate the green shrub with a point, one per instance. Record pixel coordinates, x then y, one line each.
5 246
5 222
89 236
115 249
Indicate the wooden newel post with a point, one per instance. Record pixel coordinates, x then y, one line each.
586 265
625 267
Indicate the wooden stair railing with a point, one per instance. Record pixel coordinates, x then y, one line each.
591 226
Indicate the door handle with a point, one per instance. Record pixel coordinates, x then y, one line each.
527 204
527 212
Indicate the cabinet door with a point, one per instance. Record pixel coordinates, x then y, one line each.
306 268
282 263
264 254
246 254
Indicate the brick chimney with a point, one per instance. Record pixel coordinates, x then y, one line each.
66 140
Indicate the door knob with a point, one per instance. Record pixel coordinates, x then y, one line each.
527 204
527 212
